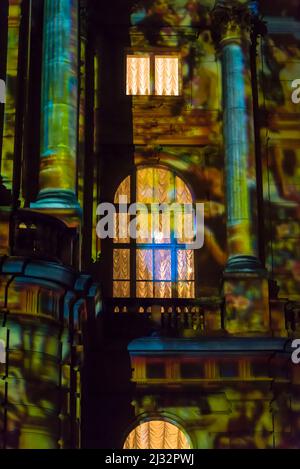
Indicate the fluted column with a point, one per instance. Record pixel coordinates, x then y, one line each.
59 108
232 22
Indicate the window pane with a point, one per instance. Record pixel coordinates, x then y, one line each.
184 227
163 186
121 289
145 185
190 370
162 264
123 190
138 75
161 227
185 264
155 185
121 223
162 290
186 289
121 264
143 228
183 194
144 264
155 370
144 289
166 76
229 370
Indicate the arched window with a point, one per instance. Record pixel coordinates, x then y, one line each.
157 434
158 263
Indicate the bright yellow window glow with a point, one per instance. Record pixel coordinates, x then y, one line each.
157 434
161 70
164 267
138 75
166 76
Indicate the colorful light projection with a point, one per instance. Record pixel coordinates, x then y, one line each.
33 389
233 401
59 104
279 65
191 118
156 434
164 268
232 21
247 305
7 157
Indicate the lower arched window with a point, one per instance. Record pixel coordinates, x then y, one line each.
157 434
158 263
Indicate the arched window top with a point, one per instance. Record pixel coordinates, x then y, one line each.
123 190
155 185
157 434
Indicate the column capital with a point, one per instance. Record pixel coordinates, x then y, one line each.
233 20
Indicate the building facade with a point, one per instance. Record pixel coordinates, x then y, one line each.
168 338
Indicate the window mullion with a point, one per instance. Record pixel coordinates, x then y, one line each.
152 74
133 252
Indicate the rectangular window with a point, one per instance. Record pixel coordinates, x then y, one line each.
260 369
138 75
121 262
191 370
166 76
229 370
155 370
152 74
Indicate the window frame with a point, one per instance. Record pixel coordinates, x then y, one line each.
132 245
152 54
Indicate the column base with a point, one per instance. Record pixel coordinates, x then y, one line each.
246 295
245 264
56 200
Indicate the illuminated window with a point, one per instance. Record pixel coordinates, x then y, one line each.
159 257
149 74
157 434
138 75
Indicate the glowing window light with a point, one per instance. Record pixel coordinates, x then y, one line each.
163 264
157 434
166 76
138 75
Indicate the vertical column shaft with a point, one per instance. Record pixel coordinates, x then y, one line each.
233 21
59 120
236 139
